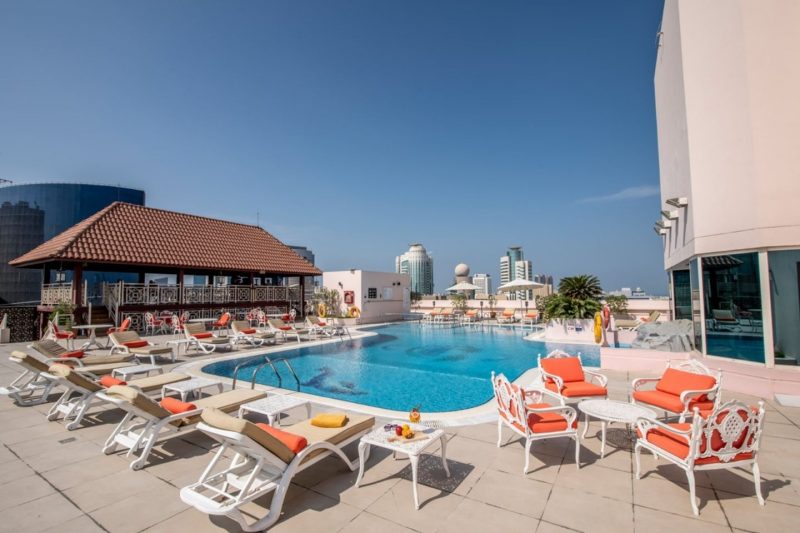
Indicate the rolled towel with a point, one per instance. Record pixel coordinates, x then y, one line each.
175 406
329 420
110 381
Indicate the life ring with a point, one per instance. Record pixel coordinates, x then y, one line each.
355 312
598 328
322 310
606 316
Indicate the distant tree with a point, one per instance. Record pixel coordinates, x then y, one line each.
618 304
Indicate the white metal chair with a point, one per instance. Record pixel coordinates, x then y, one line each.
727 437
527 414
564 375
683 386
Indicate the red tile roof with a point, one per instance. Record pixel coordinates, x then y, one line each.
135 235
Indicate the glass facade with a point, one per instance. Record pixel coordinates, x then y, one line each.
697 316
784 278
682 294
33 213
732 304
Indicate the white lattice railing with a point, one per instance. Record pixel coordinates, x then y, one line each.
121 294
56 293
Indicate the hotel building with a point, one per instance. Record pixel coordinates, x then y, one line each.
419 265
484 281
727 77
514 266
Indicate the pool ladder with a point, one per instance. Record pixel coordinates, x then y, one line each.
267 361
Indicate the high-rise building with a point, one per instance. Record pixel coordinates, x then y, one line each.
514 266
419 265
484 281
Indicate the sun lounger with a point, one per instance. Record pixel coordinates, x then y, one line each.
317 326
243 332
81 392
470 316
99 364
507 317
147 422
129 342
263 463
279 327
203 340
29 388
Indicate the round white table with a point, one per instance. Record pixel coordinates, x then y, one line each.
92 328
610 411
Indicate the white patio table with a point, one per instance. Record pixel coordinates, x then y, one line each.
610 411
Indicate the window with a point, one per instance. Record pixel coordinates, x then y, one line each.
784 274
732 300
682 294
372 293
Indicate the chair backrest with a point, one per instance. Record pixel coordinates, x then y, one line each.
49 348
531 314
695 367
312 320
219 420
76 379
223 320
509 401
29 362
723 314
193 328
276 323
471 312
53 326
689 374
119 338
239 325
149 318
125 324
568 367
509 312
731 429
435 311
176 321
654 316
137 399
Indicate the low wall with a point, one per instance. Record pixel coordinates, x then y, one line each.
22 321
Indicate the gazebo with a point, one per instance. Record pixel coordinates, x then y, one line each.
216 265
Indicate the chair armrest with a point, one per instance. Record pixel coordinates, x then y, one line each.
603 380
643 425
545 375
687 394
638 382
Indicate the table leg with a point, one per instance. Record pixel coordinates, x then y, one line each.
271 419
585 425
443 441
219 386
184 394
363 452
414 459
603 424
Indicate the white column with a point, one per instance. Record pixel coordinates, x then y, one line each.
766 309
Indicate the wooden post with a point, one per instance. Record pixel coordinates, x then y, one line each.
180 288
77 282
303 297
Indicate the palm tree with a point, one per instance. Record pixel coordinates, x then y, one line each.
582 287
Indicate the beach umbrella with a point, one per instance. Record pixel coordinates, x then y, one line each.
519 285
463 286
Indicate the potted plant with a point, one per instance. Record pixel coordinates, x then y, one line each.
492 312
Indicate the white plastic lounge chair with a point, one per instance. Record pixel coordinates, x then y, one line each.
53 352
203 340
82 392
724 319
262 464
470 316
243 332
527 414
317 326
29 388
147 422
279 327
129 342
508 316
530 318
727 437
433 315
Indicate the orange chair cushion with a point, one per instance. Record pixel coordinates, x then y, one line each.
567 368
321 323
110 381
77 354
669 402
296 443
285 328
65 335
175 406
135 344
547 422
248 331
676 381
204 335
678 445
575 389
286 317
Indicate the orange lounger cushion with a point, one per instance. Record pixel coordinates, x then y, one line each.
135 344
248 331
669 402
575 389
567 368
110 381
204 335
176 406
77 354
296 443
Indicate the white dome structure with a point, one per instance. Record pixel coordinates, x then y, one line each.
462 270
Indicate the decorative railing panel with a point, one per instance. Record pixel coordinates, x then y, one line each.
141 294
56 293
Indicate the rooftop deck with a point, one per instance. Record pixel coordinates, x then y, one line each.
54 479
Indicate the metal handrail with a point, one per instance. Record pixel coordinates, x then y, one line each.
266 362
291 369
239 367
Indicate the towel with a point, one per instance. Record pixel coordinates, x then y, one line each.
329 420
175 406
109 381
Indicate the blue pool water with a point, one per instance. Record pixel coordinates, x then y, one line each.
405 365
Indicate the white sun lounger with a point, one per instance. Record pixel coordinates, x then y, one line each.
146 422
29 388
243 332
204 340
262 464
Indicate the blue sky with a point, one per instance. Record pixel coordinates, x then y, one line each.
356 128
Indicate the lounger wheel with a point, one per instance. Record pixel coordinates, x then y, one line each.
137 465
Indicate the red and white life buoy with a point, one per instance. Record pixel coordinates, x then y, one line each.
606 316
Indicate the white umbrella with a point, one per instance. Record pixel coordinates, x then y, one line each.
519 285
463 286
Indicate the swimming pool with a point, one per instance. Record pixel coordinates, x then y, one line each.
404 365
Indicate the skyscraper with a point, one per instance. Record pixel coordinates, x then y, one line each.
514 266
419 265
484 281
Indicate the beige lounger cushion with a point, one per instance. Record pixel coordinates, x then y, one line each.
218 419
121 337
194 328
625 323
151 350
101 370
355 424
152 383
31 361
105 359
48 348
76 379
138 400
214 340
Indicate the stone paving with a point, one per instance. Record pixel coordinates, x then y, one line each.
54 479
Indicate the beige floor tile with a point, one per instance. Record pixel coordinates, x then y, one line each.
481 432
113 488
53 454
547 527
740 481
369 522
543 466
193 521
81 524
303 512
587 512
125 514
85 472
397 505
513 492
38 431
23 490
38 515
471 451
6 455
471 515
343 487
786 431
12 471
746 513
650 520
598 480
672 497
